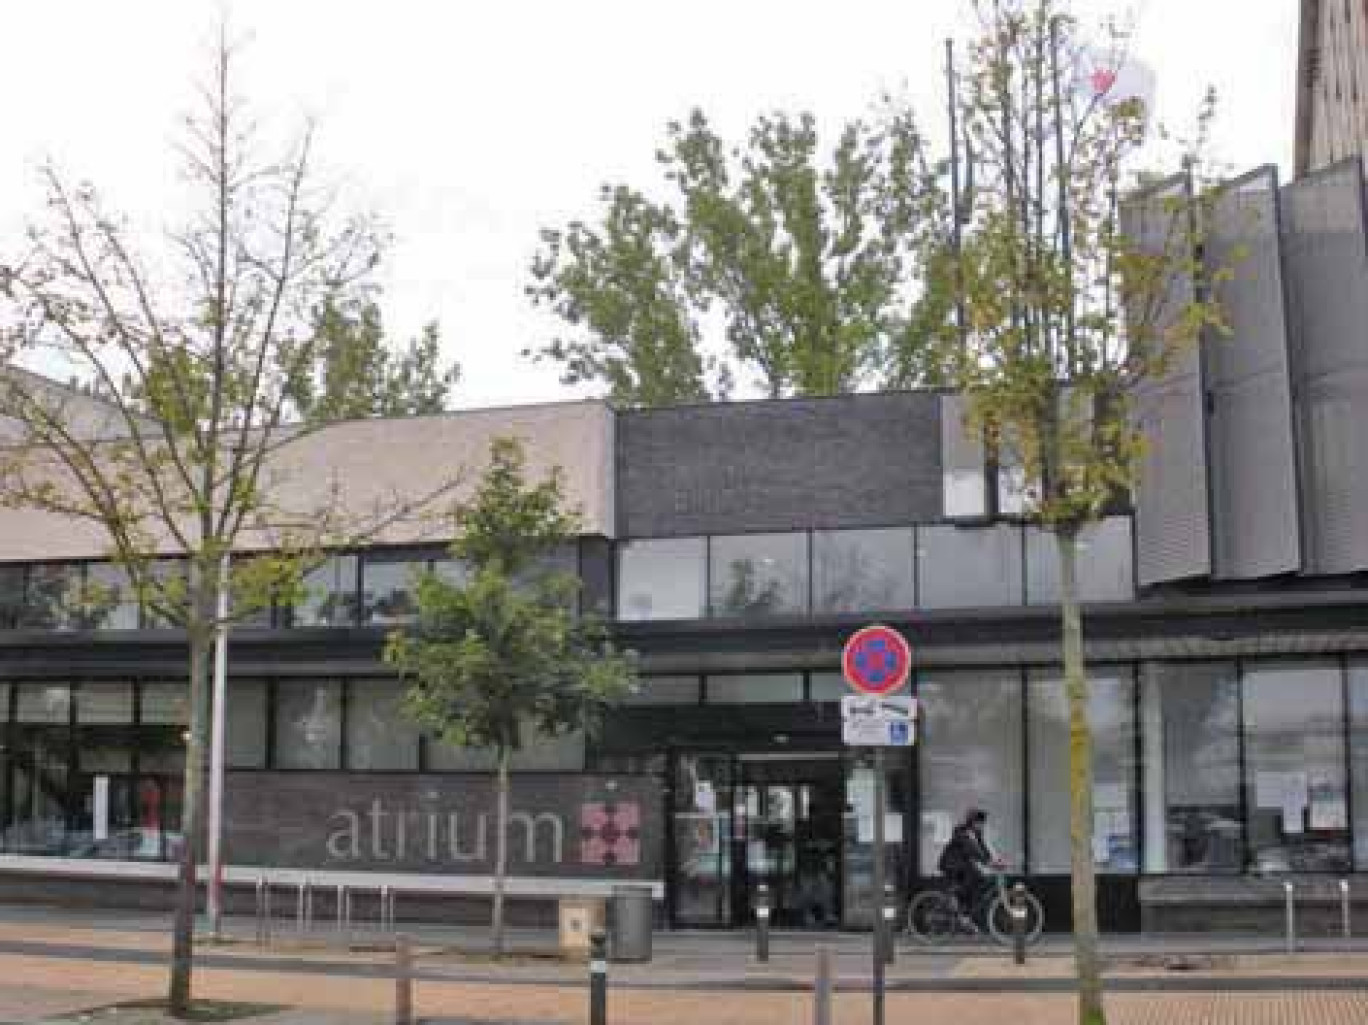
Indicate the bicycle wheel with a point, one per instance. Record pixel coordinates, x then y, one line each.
931 916
1000 919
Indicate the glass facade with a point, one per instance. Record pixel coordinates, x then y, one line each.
81 773
330 593
1296 793
969 567
758 574
379 735
389 582
863 570
308 725
1106 567
1111 718
1358 757
1190 722
662 579
970 748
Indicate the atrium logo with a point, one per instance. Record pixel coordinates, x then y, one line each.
610 834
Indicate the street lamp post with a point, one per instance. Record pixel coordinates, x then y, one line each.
219 700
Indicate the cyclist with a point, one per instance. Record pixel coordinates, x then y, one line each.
967 862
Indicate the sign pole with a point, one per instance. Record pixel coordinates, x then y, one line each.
876 900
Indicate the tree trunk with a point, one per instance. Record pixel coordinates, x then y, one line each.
500 856
192 826
1090 1010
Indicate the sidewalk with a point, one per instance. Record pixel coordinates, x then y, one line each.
56 964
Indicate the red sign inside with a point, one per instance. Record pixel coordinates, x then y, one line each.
877 660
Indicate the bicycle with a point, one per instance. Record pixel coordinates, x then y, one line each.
935 915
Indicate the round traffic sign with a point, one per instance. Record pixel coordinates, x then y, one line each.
876 660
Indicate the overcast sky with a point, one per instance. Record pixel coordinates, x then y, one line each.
469 127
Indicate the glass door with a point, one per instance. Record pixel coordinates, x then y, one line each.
701 809
787 811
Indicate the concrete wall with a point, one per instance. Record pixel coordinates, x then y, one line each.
354 473
851 461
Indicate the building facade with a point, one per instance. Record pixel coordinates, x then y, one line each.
735 547
1332 83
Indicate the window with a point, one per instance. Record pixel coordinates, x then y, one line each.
968 567
538 753
45 703
1191 756
379 735
308 725
758 575
329 594
1294 767
165 704
754 689
5 691
1105 564
965 481
166 598
1111 716
863 570
828 687
52 597
1358 753
109 600
104 704
11 596
245 740
970 744
388 585
662 579
665 690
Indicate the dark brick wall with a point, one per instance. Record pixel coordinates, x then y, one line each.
849 461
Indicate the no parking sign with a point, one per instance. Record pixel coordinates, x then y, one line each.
877 660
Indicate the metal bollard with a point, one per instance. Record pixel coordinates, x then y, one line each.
762 923
263 911
304 908
1291 918
403 981
598 978
821 988
890 923
386 910
1344 909
1016 908
342 896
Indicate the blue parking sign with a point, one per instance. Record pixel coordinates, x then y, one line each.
899 734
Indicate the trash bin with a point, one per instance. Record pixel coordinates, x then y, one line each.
630 932
579 917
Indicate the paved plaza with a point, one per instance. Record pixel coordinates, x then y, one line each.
59 966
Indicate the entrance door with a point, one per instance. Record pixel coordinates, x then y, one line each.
787 811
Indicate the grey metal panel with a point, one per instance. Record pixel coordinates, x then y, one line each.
1326 264
1254 492
849 461
1172 503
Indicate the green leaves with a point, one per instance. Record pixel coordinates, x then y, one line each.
505 650
351 371
803 260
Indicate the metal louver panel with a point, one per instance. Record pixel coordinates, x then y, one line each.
1254 491
1326 264
1172 505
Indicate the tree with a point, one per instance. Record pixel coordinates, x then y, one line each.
504 651
803 259
1053 316
359 375
189 353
